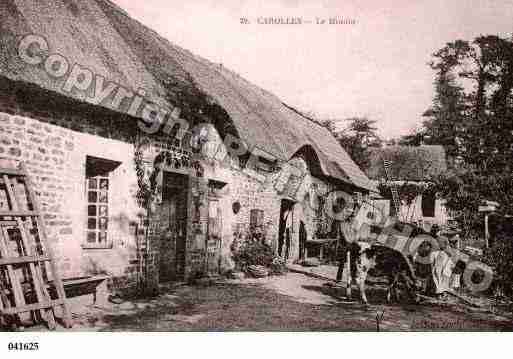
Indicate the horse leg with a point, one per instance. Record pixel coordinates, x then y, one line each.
361 275
410 287
361 285
392 290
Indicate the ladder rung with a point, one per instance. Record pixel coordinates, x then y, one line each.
12 171
18 214
29 307
24 259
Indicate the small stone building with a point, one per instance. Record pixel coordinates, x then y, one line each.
413 169
104 111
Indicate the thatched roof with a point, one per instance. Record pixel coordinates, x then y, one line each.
409 163
102 37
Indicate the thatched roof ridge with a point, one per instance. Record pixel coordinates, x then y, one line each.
409 163
99 35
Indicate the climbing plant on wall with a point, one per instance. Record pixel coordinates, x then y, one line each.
145 197
408 191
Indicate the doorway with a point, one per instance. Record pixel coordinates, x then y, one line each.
285 230
302 240
174 227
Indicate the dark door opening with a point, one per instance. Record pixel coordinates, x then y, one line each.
285 228
428 204
174 227
302 240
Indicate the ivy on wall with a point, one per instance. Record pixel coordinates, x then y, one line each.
145 196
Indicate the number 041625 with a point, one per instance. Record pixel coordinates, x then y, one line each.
23 346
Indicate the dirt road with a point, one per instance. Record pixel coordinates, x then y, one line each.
293 302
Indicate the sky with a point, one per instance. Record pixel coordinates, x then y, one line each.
376 67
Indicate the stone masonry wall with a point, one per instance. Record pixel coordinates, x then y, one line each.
47 152
56 158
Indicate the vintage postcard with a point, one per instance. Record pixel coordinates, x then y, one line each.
282 166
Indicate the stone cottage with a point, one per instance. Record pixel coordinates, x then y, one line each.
146 157
412 171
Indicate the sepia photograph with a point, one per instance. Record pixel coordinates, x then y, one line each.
252 167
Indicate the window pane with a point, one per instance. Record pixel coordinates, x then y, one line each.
103 197
102 237
256 217
97 191
104 184
91 211
92 197
103 211
91 237
92 183
103 223
91 223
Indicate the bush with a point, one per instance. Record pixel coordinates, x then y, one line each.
250 248
500 258
253 253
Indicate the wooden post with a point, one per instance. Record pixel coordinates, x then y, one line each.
348 275
488 207
487 234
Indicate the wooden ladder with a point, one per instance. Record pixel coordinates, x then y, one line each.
395 195
24 253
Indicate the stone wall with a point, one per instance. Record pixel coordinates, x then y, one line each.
56 159
47 152
267 196
251 194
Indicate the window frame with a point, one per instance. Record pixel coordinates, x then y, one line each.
99 177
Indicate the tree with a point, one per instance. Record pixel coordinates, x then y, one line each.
444 120
472 113
357 137
472 117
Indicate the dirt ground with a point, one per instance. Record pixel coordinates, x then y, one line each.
293 302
